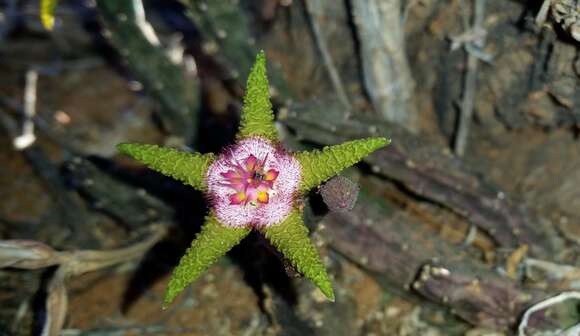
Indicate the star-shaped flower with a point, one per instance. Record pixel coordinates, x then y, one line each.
253 184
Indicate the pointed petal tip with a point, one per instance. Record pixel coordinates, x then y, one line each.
261 57
257 117
327 290
325 286
259 66
131 149
168 299
189 168
291 238
380 141
124 147
330 297
169 295
320 165
211 243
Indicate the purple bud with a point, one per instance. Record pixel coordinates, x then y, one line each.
339 194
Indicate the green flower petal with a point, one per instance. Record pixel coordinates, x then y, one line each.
186 167
47 8
213 242
319 166
291 238
257 116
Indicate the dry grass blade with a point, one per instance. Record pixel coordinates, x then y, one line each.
86 261
469 90
56 305
27 254
548 274
542 305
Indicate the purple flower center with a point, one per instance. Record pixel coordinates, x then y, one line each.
250 183
253 183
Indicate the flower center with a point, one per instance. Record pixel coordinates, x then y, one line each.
249 181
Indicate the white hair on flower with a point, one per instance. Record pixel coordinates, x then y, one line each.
253 183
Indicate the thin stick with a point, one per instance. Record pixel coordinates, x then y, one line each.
543 305
543 13
20 314
326 58
27 138
469 85
144 25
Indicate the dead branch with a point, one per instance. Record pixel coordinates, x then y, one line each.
467 103
314 9
56 305
386 72
544 305
132 207
35 255
432 173
378 238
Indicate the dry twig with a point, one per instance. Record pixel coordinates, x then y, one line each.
386 73
27 254
470 83
27 138
545 304
313 7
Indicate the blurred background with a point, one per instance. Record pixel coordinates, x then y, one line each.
467 224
